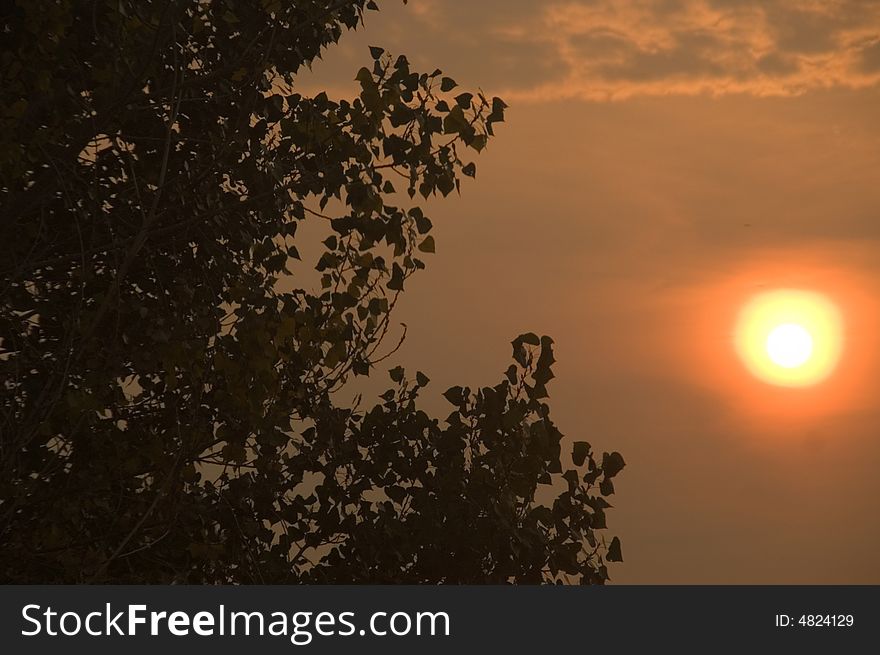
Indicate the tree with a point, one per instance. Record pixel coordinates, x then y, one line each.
168 409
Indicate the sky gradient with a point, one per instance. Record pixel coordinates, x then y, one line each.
661 163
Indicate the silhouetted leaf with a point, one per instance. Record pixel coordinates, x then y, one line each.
454 395
612 464
580 452
614 553
463 100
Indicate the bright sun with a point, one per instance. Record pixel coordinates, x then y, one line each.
789 345
789 337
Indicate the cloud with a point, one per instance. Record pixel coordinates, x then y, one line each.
615 49
601 50
870 57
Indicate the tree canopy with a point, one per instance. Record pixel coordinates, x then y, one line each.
168 408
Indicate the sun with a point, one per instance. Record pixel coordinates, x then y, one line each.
790 337
790 345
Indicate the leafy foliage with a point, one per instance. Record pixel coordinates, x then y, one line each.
168 409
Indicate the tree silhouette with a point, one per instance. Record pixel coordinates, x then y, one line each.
168 409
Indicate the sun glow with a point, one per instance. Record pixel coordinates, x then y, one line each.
789 337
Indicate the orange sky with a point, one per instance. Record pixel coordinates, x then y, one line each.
661 163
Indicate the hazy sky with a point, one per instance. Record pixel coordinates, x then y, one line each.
661 163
